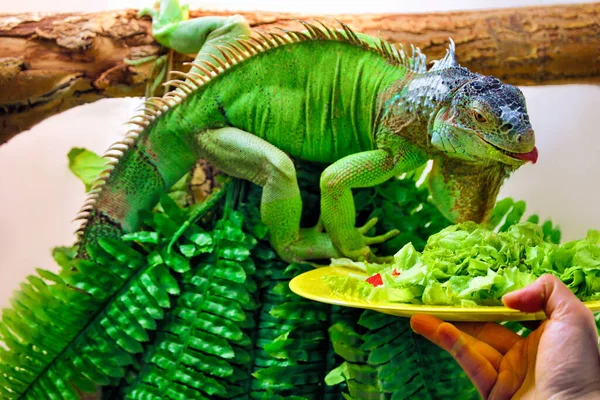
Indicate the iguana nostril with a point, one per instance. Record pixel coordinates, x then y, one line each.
526 137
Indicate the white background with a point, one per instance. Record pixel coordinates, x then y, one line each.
39 196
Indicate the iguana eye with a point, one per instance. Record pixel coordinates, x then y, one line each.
479 117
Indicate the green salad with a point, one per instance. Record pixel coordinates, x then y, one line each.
467 265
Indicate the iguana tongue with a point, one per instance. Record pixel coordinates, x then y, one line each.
531 156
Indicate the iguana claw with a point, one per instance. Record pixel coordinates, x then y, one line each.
369 240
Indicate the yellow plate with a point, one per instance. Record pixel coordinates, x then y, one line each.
312 286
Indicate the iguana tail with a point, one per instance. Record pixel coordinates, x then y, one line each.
152 157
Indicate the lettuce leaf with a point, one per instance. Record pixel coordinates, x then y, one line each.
469 264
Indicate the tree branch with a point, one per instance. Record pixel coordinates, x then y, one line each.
52 62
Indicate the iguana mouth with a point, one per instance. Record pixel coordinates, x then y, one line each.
530 156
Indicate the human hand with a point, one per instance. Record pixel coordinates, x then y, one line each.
559 360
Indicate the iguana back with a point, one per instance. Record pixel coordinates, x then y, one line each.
315 100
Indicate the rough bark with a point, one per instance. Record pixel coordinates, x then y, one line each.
52 62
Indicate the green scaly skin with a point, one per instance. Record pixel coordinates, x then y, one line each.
371 116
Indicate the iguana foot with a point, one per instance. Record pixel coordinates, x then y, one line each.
312 244
172 28
358 247
165 18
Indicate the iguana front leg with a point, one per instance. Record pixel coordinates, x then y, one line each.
246 156
358 170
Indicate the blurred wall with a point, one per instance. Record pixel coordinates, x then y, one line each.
39 196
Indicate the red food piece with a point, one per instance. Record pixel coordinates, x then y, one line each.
395 272
375 280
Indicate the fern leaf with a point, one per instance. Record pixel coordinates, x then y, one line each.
202 349
71 331
291 341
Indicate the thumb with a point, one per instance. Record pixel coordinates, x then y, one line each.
550 295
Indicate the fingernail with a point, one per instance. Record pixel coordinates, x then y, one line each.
512 296
412 326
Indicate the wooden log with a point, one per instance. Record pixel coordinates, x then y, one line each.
52 62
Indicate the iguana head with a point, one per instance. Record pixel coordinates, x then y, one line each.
484 120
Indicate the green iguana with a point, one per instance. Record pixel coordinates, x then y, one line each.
252 102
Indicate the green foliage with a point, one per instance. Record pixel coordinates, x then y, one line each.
81 327
86 165
291 341
389 361
508 212
226 337
197 305
203 349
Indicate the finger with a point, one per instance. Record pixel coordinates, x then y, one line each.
550 295
481 372
517 372
506 385
428 326
495 335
